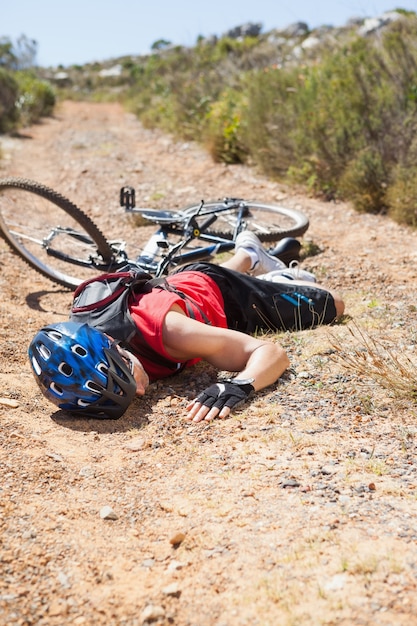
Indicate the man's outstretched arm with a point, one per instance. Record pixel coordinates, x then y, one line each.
261 362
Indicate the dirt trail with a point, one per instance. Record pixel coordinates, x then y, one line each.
300 510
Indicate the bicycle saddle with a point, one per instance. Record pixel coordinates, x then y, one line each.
163 217
287 250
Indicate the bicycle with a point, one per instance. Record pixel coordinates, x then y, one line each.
52 234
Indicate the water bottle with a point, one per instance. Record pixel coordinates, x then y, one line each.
152 248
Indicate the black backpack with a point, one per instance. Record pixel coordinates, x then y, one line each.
102 302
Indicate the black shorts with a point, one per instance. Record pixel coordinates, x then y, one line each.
251 304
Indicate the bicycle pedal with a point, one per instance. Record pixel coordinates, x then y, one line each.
127 197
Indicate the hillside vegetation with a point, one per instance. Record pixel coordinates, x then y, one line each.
333 110
24 96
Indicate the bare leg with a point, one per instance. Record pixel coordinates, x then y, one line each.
240 262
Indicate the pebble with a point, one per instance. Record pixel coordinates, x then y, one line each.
136 444
9 402
172 590
56 457
177 538
151 612
344 499
292 482
174 566
87 472
337 582
106 512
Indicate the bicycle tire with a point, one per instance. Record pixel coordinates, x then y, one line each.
29 213
269 222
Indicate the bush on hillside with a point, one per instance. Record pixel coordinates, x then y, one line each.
24 99
364 182
224 134
9 90
271 119
36 98
401 196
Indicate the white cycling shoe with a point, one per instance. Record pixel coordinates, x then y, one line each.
264 263
288 275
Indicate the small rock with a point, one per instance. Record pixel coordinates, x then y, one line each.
166 506
151 612
337 582
174 566
106 512
136 444
177 539
87 472
172 590
291 482
344 499
12 404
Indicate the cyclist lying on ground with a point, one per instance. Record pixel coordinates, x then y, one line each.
84 371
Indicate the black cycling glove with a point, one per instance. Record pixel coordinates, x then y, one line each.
228 393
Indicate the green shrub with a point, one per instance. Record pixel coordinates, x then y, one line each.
364 182
271 119
401 195
36 98
224 134
346 105
9 90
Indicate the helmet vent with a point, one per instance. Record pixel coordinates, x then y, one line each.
53 334
80 350
44 352
102 367
65 369
57 389
92 386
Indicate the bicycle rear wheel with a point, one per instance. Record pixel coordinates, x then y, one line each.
269 222
50 233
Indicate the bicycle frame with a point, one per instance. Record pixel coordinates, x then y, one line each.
186 226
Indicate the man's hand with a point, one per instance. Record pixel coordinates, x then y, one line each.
218 400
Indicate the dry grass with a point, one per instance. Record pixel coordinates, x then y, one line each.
370 358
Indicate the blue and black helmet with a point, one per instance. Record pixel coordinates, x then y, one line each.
80 370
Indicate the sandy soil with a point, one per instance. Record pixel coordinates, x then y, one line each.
299 510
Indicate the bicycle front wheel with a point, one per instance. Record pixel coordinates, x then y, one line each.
269 222
51 233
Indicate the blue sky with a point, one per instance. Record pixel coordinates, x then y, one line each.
82 31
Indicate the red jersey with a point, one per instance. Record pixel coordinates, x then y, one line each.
148 311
